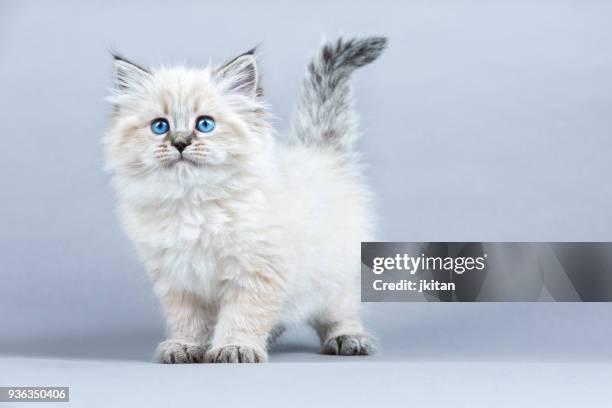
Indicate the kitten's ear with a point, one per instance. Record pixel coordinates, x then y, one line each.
130 77
241 75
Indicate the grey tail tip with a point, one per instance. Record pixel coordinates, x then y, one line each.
356 52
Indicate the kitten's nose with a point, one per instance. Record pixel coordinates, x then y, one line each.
181 145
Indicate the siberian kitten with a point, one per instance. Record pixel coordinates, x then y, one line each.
241 233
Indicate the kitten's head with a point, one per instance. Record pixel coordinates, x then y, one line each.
180 120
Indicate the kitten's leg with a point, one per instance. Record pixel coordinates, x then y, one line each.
274 335
341 333
247 314
190 324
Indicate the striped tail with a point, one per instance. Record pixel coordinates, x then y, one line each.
325 114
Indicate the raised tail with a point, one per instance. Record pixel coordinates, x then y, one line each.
325 115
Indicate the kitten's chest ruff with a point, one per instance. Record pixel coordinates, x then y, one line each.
183 243
185 225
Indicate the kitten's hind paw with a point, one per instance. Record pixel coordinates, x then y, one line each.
349 345
180 352
235 354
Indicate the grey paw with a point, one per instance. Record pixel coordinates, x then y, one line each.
349 345
180 352
235 354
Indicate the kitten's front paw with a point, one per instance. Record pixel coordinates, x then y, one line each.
180 352
235 354
350 345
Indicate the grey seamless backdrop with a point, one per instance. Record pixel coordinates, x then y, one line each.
485 121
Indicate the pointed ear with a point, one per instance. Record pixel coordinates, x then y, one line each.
130 77
241 75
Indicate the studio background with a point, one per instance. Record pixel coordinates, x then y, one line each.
482 121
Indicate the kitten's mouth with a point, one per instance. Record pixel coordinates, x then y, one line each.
183 161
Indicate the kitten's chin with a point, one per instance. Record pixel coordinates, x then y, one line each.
183 162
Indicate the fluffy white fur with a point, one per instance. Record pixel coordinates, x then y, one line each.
242 233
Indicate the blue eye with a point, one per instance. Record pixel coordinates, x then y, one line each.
160 126
205 124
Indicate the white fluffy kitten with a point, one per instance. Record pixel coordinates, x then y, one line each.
243 234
